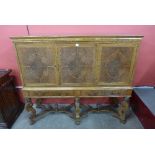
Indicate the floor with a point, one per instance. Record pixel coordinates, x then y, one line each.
63 121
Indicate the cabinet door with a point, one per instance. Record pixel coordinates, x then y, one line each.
38 63
77 64
115 64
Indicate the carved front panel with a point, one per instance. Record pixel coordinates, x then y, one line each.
38 64
115 64
77 65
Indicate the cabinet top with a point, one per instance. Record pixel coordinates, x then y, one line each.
75 38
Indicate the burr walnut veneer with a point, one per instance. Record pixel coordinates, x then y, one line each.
77 66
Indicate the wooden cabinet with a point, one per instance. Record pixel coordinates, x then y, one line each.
77 66
10 105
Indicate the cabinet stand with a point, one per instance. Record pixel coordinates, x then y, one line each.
77 110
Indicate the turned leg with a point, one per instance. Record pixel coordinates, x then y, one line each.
77 111
29 108
122 109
